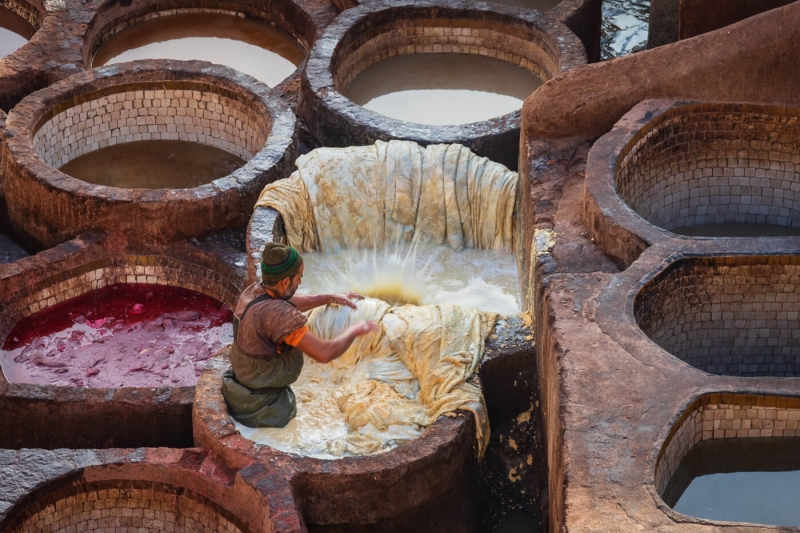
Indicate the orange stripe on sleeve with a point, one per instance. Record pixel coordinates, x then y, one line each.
293 338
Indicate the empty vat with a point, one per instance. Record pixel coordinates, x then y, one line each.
726 315
715 170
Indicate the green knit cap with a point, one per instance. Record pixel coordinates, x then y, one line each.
278 262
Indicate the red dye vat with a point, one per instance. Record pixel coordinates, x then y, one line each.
127 335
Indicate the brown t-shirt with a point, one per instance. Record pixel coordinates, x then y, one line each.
271 321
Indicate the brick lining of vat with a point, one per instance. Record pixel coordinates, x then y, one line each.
125 505
714 163
725 416
143 112
726 315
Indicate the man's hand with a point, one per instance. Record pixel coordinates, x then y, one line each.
345 299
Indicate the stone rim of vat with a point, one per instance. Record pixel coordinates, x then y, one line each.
664 461
66 271
621 232
622 300
64 206
337 491
290 17
697 272
337 121
162 475
15 67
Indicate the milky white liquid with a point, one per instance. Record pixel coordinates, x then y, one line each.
319 429
484 279
442 89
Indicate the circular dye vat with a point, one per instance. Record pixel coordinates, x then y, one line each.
424 274
247 45
154 165
14 31
442 89
125 335
739 480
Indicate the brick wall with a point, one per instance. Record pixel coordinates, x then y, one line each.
141 112
733 315
125 506
714 163
527 47
726 416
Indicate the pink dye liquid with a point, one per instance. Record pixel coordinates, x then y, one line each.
127 335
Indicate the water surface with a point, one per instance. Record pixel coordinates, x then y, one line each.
247 45
14 31
153 165
739 480
442 89
624 28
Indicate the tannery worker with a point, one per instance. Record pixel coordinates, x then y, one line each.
270 336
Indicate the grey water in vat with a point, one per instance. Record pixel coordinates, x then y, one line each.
754 480
151 164
442 88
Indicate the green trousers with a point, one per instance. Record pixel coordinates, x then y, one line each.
257 390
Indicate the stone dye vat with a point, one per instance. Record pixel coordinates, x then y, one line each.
733 458
118 336
247 45
699 170
145 490
733 316
14 31
104 125
102 383
376 200
373 33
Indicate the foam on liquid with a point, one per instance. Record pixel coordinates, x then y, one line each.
422 274
319 429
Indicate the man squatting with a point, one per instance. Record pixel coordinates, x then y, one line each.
270 336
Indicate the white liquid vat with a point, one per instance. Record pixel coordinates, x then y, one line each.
246 45
442 89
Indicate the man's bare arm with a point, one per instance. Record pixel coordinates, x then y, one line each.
326 350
